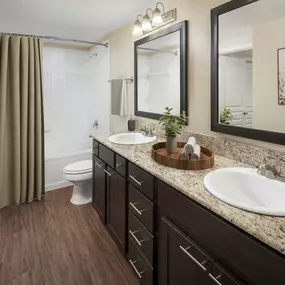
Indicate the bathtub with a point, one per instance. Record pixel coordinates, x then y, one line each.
55 165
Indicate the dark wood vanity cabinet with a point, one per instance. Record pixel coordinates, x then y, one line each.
116 207
110 193
228 252
169 239
99 187
183 262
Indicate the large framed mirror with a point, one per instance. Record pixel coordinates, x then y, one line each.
248 69
161 72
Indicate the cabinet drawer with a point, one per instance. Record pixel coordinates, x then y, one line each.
141 207
141 179
183 259
248 259
121 165
142 238
107 155
95 147
140 266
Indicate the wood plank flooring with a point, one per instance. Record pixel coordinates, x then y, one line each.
53 242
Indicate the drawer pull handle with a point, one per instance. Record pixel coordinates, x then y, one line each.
99 165
215 279
140 212
139 242
108 173
119 165
136 181
193 258
139 274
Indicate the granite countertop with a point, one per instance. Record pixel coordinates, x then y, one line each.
270 230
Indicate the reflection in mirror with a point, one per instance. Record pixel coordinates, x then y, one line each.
252 66
159 74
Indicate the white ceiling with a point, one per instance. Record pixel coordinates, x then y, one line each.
90 20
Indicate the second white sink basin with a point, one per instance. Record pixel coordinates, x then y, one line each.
131 138
246 189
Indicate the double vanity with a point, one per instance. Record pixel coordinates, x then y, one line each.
173 231
223 225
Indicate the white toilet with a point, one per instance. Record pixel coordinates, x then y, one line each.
80 174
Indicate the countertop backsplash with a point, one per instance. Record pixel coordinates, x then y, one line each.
237 151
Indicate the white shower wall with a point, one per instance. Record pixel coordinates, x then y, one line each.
76 92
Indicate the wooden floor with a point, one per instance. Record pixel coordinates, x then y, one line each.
53 242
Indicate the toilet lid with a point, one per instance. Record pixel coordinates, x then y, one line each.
79 167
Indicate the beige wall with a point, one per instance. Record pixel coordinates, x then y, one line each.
198 14
267 39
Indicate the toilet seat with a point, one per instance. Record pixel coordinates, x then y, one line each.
79 167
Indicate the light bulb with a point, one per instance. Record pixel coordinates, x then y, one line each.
137 30
146 25
157 18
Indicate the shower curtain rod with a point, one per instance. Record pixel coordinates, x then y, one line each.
56 39
159 50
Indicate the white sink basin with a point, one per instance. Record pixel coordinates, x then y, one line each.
244 188
131 138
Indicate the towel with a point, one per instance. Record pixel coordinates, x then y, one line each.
184 155
197 152
124 106
116 95
190 145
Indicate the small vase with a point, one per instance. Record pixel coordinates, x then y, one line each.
171 144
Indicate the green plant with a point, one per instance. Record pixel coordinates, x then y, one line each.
226 116
173 124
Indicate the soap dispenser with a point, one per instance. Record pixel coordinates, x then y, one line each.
131 124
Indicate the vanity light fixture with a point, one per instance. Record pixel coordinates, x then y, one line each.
146 25
137 29
157 15
157 19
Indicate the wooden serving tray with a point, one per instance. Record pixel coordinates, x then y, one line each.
161 156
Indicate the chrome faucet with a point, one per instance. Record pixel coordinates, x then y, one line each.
267 170
147 131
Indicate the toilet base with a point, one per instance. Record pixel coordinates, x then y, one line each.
82 193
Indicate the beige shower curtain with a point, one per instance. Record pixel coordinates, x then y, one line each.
21 120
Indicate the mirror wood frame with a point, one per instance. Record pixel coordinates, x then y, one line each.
256 134
182 27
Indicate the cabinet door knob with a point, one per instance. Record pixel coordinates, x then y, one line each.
139 274
108 173
140 212
135 180
139 242
215 279
192 257
99 165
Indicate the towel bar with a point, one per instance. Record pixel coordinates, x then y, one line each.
129 80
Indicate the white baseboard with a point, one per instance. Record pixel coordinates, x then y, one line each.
57 185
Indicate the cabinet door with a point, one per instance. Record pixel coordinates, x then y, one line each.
99 188
117 207
180 263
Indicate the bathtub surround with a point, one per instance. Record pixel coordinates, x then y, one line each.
74 83
21 120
